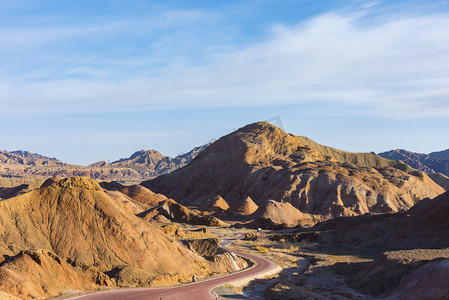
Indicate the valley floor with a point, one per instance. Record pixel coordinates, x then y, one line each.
313 271
308 270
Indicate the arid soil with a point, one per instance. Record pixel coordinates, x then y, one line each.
316 271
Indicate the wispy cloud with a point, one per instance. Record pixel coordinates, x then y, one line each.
395 66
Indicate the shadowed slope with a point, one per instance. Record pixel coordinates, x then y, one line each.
425 225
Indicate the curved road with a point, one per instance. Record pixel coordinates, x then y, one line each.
198 290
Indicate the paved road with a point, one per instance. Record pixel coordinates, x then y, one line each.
195 291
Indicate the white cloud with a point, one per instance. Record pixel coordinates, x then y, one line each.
87 71
396 67
44 31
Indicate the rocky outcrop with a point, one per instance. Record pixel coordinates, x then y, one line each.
8 181
263 162
440 179
245 207
216 204
276 215
143 161
11 174
172 230
212 250
285 214
178 213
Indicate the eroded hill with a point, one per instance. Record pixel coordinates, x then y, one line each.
265 163
74 233
425 225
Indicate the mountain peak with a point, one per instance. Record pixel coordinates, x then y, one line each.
259 125
263 162
78 182
145 154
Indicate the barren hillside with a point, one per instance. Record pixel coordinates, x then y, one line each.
265 163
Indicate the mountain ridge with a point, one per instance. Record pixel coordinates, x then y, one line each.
27 158
434 162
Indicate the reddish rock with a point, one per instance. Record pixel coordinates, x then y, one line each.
215 204
245 207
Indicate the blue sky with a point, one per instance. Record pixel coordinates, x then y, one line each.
85 81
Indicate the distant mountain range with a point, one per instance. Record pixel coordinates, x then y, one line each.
151 163
435 162
23 167
27 158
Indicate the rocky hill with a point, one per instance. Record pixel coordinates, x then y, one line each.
436 162
444 154
27 158
22 167
265 163
425 225
73 235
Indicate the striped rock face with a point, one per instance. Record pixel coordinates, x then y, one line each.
264 163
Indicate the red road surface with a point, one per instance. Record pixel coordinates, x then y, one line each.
194 291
